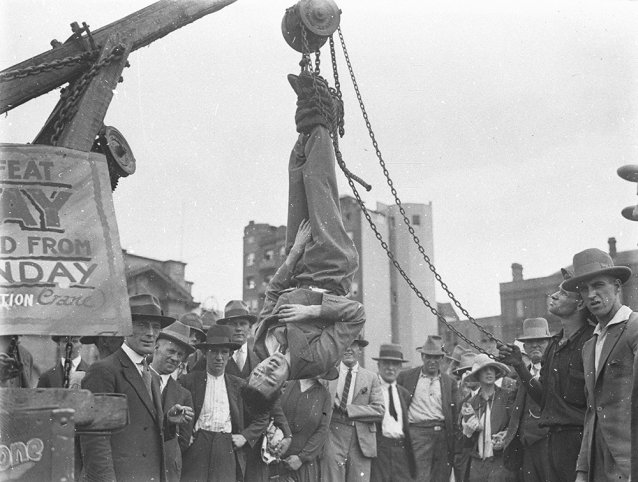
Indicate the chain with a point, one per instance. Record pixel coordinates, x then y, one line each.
335 73
71 95
393 190
68 351
317 60
46 67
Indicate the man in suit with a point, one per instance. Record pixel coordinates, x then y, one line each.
238 317
171 350
395 457
608 360
224 430
525 445
307 313
432 412
54 377
197 334
137 451
358 405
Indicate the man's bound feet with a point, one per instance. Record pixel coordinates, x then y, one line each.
316 105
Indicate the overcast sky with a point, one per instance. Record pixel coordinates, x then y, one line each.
510 117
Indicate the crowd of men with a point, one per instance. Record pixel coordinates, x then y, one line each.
283 396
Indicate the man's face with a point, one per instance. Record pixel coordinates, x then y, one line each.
487 376
167 357
351 355
195 337
270 374
601 295
431 363
144 336
216 360
242 330
535 348
388 370
564 303
75 341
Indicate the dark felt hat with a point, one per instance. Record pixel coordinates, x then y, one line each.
391 352
234 310
146 307
361 341
456 353
433 346
594 262
194 322
219 336
178 333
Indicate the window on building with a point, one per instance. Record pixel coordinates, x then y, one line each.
254 305
250 283
394 297
416 220
250 239
520 309
250 259
282 251
269 255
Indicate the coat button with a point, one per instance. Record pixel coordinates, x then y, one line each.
600 409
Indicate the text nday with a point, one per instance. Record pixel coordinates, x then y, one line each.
58 272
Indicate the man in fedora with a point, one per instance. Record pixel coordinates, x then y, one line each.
608 360
525 446
431 412
54 377
137 451
358 405
560 388
395 458
197 334
224 430
238 316
171 350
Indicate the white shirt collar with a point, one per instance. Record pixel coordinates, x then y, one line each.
132 354
74 361
214 378
344 369
385 384
621 315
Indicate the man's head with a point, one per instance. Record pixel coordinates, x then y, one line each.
265 382
599 282
194 322
563 303
147 320
217 359
62 341
352 354
431 355
238 316
172 348
218 348
390 361
535 338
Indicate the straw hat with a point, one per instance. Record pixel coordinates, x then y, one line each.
391 352
433 346
594 262
535 329
483 361
178 333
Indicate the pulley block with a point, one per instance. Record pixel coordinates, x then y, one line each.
119 155
319 17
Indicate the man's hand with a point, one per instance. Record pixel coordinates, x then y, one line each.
238 440
9 367
303 237
294 462
510 355
180 414
282 447
581 477
295 313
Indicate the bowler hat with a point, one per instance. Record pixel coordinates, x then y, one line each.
535 329
433 346
483 361
456 353
194 322
235 310
361 341
465 364
391 352
594 262
179 333
146 307
219 336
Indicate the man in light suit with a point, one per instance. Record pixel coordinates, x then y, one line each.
358 405
171 350
224 430
432 412
54 377
608 360
137 451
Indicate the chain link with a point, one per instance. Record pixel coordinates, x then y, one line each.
71 95
68 351
47 67
398 202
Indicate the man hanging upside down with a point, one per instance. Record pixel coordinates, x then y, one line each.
307 321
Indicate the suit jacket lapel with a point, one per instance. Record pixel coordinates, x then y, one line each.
199 392
130 373
359 383
236 414
613 335
588 355
59 374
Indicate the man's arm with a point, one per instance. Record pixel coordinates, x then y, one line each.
374 411
511 355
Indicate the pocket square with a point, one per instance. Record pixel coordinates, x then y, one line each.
363 391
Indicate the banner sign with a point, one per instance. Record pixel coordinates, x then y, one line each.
61 265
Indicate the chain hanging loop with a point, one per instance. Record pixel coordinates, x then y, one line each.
68 351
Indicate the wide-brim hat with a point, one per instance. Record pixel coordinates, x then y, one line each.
146 307
193 321
594 262
456 353
391 352
235 310
433 346
535 329
219 336
179 333
483 361
465 364
362 342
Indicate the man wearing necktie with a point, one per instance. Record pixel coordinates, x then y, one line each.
54 377
241 320
525 446
171 350
395 458
358 406
137 451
